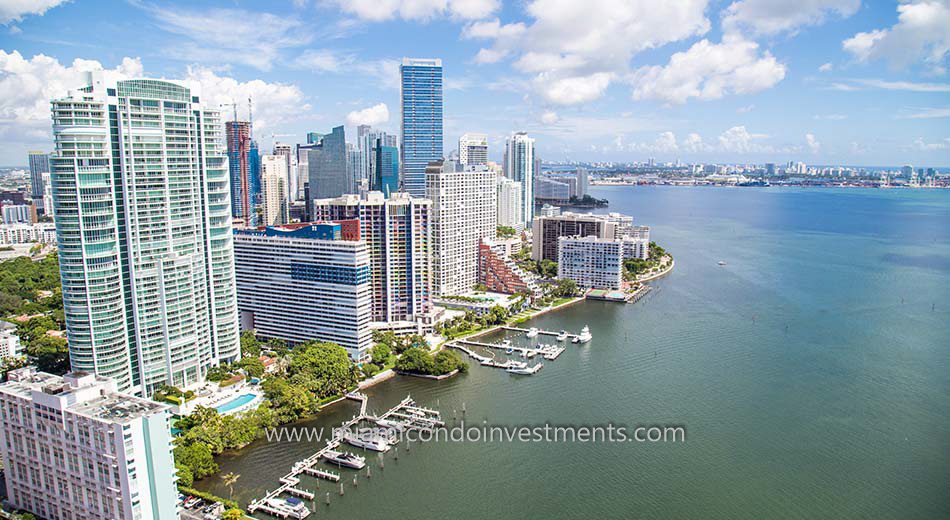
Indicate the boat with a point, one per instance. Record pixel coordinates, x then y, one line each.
516 364
576 340
368 442
532 332
525 371
562 336
293 507
506 343
509 350
344 458
393 425
722 262
584 336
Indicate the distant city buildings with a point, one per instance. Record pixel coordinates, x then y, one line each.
275 206
369 142
386 164
243 165
18 213
397 232
42 232
464 212
591 262
287 151
421 124
519 165
473 149
74 447
145 247
510 203
39 165
305 282
327 166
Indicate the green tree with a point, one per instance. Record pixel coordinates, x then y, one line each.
252 365
381 353
324 368
447 361
505 231
250 347
496 315
230 479
51 353
185 478
417 361
288 402
198 458
232 514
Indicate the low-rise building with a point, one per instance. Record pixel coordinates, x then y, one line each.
73 447
500 273
591 262
305 282
9 341
42 232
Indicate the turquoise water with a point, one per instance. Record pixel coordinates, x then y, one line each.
810 372
236 403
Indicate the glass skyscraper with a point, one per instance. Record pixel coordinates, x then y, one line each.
244 164
421 95
39 164
141 196
326 163
386 178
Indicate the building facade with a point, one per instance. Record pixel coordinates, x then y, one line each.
510 212
386 177
39 164
546 230
73 447
245 181
464 211
19 213
327 167
591 262
275 208
421 124
287 151
397 232
500 273
143 225
519 166
473 149
305 282
42 232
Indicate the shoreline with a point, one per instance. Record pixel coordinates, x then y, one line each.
660 274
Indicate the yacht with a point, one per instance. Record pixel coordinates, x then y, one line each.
562 336
532 332
393 425
292 507
525 370
722 262
369 442
584 336
344 458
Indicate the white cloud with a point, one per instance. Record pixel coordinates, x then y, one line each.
322 60
922 33
374 115
418 10
776 16
221 35
745 109
574 49
665 143
738 140
924 146
694 143
709 71
927 113
826 67
813 144
910 86
27 85
829 117
549 117
15 10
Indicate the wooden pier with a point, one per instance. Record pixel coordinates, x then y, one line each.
540 332
407 414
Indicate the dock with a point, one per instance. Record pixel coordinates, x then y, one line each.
407 414
540 332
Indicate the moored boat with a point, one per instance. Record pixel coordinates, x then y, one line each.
344 458
585 335
369 442
532 332
562 336
525 371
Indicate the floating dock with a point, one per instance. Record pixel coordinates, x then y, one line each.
407 414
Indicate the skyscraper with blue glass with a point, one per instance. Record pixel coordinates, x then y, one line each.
421 95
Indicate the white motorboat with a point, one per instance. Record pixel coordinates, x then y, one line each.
722 262
532 332
293 507
367 441
562 336
585 335
344 458
525 371
393 425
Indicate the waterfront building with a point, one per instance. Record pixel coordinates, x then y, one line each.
500 273
421 123
636 242
39 165
397 232
473 149
582 186
326 163
274 204
305 282
463 213
510 212
547 230
548 210
42 232
558 189
243 165
591 262
74 447
520 166
144 233
287 151
19 213
386 177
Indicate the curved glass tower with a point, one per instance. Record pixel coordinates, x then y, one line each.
141 193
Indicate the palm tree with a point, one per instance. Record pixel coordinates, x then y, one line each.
229 480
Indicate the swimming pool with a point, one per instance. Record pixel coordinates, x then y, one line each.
238 402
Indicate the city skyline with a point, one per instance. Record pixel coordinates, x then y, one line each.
706 83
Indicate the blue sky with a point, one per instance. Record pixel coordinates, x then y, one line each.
821 81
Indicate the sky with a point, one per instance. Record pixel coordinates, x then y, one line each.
747 81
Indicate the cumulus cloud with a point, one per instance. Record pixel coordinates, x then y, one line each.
924 146
826 67
694 143
374 115
812 143
322 60
549 117
709 71
574 50
765 17
418 10
15 10
738 140
922 33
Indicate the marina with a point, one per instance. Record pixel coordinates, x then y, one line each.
407 415
549 351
